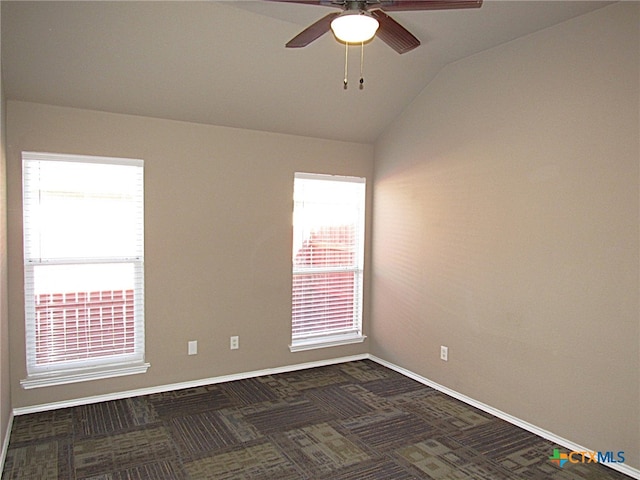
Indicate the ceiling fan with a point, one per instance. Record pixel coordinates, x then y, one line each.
370 15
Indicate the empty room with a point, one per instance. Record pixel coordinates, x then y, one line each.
239 243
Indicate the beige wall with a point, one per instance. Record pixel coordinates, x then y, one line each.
218 205
5 383
506 227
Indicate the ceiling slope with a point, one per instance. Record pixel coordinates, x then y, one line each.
224 62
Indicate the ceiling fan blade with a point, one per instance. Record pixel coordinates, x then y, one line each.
312 32
394 34
409 5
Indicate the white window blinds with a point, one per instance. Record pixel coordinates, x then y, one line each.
84 267
328 258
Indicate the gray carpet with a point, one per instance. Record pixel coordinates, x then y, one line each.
353 421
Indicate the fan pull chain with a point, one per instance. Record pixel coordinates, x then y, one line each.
346 64
345 82
362 66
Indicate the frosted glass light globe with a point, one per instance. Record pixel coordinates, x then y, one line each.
354 27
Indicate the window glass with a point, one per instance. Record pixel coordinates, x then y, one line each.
328 258
84 267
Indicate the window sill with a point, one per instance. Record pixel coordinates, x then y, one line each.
51 379
324 342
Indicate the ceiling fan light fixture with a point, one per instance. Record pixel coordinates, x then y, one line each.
354 27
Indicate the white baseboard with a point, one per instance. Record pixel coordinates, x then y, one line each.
177 386
621 467
5 442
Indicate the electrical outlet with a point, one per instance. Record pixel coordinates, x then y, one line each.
444 353
234 342
193 347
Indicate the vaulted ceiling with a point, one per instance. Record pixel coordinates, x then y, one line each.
224 62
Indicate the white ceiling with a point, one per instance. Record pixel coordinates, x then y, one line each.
224 62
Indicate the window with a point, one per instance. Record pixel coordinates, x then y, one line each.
328 260
83 267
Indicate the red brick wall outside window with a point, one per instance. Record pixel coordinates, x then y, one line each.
83 325
330 295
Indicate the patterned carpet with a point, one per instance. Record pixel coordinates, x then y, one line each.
353 421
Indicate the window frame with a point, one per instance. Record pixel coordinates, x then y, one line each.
354 333
98 367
